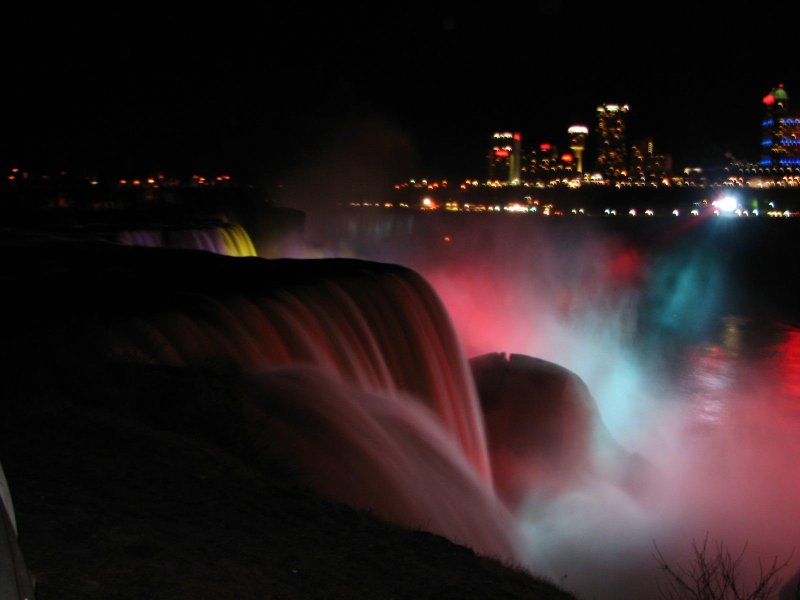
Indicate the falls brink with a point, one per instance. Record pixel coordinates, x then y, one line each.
227 239
379 328
349 371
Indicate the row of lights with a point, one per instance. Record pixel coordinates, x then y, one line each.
726 205
15 174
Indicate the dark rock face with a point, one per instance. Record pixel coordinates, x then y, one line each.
543 428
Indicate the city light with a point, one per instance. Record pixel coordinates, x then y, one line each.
726 204
619 164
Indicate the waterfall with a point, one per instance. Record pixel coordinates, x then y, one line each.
227 239
381 452
354 375
381 329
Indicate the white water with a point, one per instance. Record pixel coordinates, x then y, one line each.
708 398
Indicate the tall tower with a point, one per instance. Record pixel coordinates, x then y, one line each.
612 157
780 142
505 158
577 143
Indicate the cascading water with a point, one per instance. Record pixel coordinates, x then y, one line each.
355 376
685 333
227 239
378 451
355 368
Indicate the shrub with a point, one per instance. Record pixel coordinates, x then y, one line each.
714 573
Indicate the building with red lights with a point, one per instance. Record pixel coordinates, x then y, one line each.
780 142
541 160
544 164
505 158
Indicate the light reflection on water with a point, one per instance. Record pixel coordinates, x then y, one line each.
748 366
787 355
712 372
708 383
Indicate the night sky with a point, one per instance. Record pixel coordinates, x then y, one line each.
394 92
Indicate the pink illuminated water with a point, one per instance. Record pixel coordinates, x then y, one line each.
664 327
376 451
357 380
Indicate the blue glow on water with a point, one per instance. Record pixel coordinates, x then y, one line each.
685 292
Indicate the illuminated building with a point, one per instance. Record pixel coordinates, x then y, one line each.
577 143
780 142
612 155
505 158
646 165
545 165
542 159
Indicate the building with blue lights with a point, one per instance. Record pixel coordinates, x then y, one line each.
780 140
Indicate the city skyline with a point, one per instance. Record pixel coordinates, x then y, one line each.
409 90
614 156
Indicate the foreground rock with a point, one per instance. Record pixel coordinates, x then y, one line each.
150 499
544 430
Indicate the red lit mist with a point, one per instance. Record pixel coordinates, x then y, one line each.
709 398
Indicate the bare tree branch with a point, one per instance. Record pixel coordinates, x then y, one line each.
717 575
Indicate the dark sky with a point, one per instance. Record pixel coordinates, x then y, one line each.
412 91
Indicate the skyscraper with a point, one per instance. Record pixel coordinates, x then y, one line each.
577 143
612 154
645 165
544 165
780 142
505 157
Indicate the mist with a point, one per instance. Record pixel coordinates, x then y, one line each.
685 371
